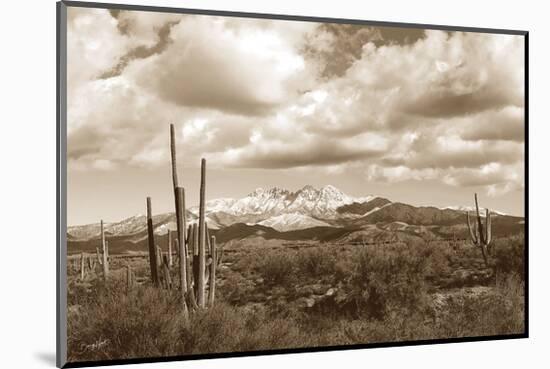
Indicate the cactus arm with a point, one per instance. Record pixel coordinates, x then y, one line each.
471 229
98 256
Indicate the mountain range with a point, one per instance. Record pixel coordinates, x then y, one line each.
325 214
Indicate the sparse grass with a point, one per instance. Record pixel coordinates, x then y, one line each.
385 293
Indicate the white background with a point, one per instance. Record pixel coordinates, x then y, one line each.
27 208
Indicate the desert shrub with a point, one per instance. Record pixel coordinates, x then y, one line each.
235 289
246 263
343 268
316 262
389 278
438 259
277 269
509 255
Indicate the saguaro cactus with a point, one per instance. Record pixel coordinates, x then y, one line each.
193 244
105 253
189 245
195 249
98 253
180 219
208 255
169 241
202 238
166 273
173 155
159 257
152 248
212 284
480 237
179 199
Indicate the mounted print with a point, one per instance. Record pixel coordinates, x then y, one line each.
233 184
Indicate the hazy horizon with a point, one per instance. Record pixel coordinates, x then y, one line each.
417 116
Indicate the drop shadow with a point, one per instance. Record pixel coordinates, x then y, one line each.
46 357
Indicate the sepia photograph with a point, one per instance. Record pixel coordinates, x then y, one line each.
242 184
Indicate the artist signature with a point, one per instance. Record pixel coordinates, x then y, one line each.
99 344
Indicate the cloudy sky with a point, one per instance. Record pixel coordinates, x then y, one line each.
419 116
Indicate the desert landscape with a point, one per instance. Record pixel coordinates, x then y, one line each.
238 184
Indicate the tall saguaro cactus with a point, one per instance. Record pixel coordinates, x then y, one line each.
179 201
202 238
193 245
480 235
105 253
152 247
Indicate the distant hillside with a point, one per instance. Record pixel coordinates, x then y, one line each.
325 215
363 208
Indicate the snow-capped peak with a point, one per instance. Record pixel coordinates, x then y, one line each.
320 203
